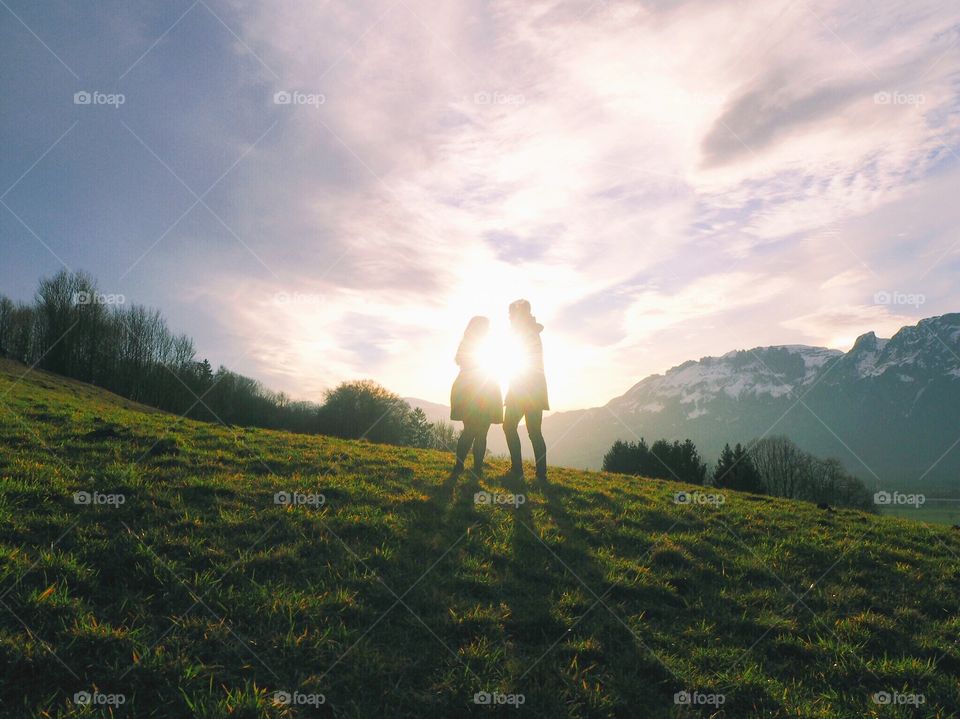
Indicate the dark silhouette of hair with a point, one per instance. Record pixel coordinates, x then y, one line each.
476 329
521 307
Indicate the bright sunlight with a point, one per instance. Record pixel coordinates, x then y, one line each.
502 356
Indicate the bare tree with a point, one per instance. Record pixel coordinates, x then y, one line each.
790 472
782 465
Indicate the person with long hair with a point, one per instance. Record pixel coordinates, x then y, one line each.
527 394
475 398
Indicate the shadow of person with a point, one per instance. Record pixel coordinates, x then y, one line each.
418 576
528 583
514 483
443 494
554 564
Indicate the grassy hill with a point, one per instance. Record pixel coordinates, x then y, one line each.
183 589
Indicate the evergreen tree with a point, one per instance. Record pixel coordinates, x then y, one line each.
419 429
662 460
617 458
735 470
205 371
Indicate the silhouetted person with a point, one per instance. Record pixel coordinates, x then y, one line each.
475 398
527 395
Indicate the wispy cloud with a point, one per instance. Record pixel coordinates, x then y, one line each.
663 180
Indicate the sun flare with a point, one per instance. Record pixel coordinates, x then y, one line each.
502 356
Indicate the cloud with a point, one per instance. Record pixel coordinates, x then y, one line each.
645 168
838 327
654 310
845 279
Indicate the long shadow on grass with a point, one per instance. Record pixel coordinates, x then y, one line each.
585 649
412 630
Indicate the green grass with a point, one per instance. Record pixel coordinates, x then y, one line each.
934 511
598 597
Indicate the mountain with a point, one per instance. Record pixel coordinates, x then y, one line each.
435 412
889 409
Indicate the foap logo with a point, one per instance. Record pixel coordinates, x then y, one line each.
295 698
296 298
696 698
898 699
96 97
299 499
98 298
899 98
88 499
296 97
96 698
714 500
498 699
899 499
498 98
502 498
895 297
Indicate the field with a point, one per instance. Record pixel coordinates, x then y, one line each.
150 567
934 512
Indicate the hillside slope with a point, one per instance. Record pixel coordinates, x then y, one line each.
183 589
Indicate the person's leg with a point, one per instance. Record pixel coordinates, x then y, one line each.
535 430
480 446
463 446
511 419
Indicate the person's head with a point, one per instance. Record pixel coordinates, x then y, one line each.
477 328
519 311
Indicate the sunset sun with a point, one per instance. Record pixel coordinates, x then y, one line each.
501 356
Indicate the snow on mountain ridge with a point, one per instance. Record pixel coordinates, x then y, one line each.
778 371
924 346
734 374
893 404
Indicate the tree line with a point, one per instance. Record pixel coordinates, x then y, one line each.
788 471
771 465
73 329
663 460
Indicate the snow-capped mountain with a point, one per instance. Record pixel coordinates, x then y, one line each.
743 374
889 409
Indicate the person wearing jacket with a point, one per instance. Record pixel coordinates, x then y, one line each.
475 397
527 395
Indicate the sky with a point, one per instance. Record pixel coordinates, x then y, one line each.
326 191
